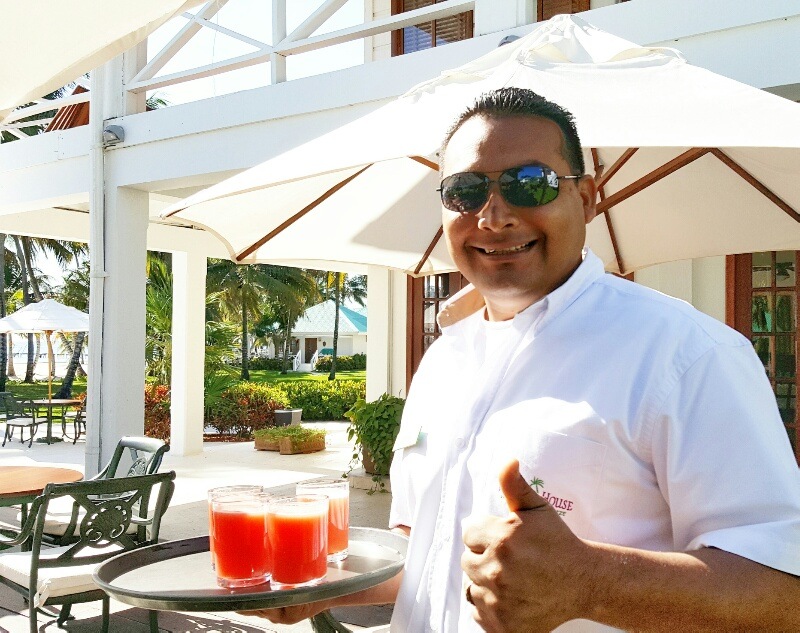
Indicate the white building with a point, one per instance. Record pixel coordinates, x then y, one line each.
68 185
314 332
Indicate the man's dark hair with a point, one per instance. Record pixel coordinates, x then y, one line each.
508 102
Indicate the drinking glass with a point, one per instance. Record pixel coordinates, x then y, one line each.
297 528
239 537
217 492
338 493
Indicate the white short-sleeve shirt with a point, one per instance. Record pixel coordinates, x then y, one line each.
644 422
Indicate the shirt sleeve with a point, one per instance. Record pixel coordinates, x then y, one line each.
724 462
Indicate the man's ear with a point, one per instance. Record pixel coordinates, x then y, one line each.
587 187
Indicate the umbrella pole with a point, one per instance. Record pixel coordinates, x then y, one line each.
51 367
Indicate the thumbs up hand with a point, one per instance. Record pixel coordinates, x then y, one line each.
527 570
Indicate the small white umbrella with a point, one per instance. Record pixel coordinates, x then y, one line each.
691 163
46 316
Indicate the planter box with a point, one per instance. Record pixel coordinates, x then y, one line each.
369 464
286 417
263 444
289 447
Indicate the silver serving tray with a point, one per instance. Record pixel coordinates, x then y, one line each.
177 575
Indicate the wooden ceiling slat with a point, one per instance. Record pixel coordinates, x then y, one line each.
598 169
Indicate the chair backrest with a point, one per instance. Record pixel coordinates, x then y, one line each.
16 408
145 454
110 506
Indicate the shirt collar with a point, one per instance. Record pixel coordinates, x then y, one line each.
468 300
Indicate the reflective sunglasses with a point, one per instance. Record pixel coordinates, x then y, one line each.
523 186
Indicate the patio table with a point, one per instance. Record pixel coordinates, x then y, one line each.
177 576
22 484
50 405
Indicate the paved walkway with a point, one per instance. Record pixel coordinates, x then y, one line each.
219 464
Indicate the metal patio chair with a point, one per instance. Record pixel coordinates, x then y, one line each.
20 414
63 575
141 456
77 418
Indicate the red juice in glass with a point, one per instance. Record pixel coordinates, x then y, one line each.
297 528
240 544
218 492
338 493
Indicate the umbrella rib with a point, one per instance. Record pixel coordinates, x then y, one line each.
287 223
429 250
654 176
598 168
603 178
426 162
756 184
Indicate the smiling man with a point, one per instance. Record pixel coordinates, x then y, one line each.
578 453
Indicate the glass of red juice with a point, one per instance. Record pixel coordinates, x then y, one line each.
338 493
297 528
239 535
219 492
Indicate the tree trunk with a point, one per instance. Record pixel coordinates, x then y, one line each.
26 299
79 372
10 366
284 370
74 363
337 298
3 337
245 347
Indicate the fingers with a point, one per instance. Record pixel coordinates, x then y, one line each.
518 493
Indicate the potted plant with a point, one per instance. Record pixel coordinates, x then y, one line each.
290 440
374 426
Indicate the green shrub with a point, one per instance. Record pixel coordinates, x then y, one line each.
299 433
343 363
271 364
323 400
156 411
246 407
374 427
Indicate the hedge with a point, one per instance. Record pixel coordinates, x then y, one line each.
245 407
156 411
323 400
343 363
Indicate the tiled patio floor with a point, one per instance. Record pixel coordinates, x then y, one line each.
219 464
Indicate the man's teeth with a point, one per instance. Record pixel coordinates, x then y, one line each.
502 251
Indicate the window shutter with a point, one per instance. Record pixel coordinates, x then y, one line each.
548 8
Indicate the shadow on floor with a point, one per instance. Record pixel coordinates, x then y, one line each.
135 621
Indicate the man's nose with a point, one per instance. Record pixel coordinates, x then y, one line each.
496 214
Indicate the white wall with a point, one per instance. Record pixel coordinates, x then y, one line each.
378 46
359 344
701 282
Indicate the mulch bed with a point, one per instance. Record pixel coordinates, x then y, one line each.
219 437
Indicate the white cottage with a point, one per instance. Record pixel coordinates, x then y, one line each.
314 332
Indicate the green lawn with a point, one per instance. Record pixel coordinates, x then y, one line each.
266 375
38 390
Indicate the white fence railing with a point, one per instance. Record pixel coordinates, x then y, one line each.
314 359
296 361
300 40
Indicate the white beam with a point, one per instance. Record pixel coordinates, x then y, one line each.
179 40
382 25
45 105
315 20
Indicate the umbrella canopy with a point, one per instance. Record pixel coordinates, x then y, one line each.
47 315
690 163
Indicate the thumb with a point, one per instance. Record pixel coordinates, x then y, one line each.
518 493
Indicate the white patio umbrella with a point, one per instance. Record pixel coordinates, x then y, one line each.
46 316
690 163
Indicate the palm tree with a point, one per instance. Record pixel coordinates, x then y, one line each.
75 293
244 288
158 320
344 287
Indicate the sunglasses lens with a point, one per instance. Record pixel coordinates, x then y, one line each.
529 186
465 192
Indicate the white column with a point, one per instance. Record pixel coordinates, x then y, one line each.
379 332
188 351
117 246
122 377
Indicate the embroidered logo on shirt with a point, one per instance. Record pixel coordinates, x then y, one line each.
561 505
